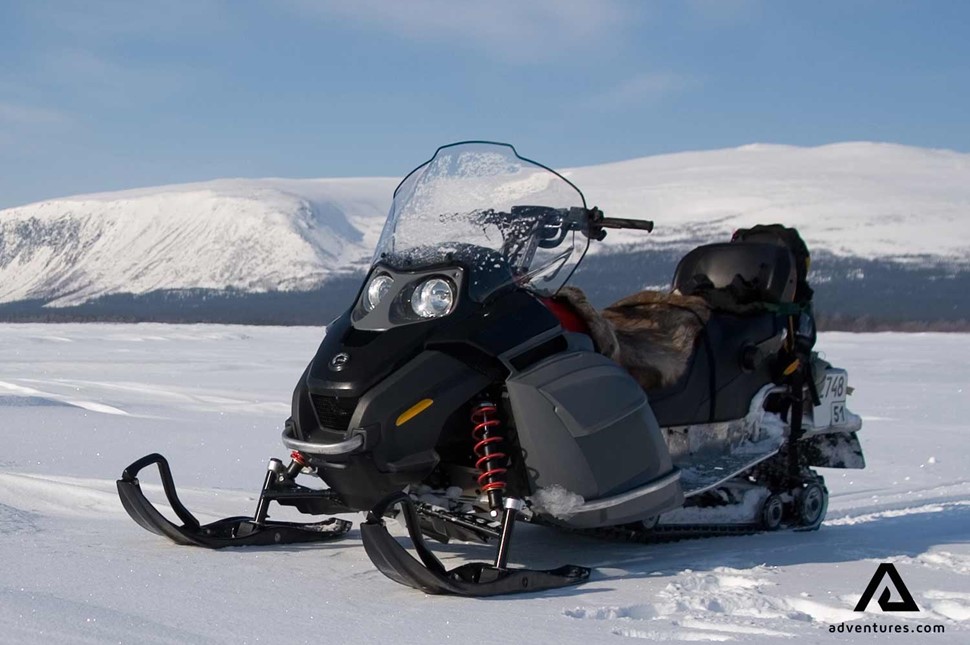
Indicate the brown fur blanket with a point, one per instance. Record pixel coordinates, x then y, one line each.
651 333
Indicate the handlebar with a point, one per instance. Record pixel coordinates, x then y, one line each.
620 222
555 223
597 223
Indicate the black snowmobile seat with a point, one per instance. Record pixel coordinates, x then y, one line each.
686 351
744 283
750 271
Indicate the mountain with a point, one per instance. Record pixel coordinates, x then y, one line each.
249 235
870 200
863 208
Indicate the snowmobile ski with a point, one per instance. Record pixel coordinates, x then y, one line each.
231 531
472 579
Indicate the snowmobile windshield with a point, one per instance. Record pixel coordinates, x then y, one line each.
505 219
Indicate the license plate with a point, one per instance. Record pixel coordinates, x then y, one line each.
831 409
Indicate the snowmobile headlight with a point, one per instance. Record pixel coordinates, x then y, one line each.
376 290
433 298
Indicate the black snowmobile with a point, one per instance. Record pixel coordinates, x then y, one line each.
465 389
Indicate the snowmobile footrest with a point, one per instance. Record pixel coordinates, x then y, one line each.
430 576
232 531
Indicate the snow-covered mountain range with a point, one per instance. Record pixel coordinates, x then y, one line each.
247 234
860 200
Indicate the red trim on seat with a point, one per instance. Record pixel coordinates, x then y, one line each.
568 318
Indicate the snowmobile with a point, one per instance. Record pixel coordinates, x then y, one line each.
467 389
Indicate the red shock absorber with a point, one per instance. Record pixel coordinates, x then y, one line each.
491 461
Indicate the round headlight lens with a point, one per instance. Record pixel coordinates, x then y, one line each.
433 298
376 290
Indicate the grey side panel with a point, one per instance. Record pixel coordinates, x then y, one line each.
651 499
585 425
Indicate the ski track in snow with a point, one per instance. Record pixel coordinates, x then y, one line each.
30 396
75 568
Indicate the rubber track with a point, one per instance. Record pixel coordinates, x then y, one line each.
675 533
657 535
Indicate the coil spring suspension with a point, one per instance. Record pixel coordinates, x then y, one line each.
491 461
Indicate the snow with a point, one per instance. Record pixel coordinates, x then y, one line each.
868 200
250 235
75 568
747 510
557 501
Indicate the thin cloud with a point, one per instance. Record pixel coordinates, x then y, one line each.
642 90
91 49
31 115
22 125
109 80
506 29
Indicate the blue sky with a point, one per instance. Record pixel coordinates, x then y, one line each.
109 94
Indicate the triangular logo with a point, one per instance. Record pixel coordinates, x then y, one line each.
905 604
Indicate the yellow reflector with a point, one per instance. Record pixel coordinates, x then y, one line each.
788 370
413 411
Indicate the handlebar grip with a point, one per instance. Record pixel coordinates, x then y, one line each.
620 222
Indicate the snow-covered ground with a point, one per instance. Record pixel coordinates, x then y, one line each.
78 403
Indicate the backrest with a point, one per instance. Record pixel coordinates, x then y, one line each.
787 237
753 270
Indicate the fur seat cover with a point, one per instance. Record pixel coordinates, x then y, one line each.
651 333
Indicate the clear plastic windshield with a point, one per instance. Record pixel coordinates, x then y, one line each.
505 218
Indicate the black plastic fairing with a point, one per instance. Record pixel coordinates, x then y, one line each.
475 334
508 321
400 445
366 362
410 444
381 376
